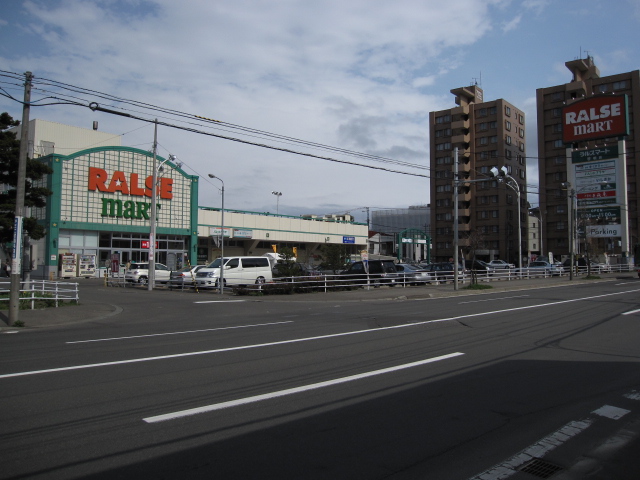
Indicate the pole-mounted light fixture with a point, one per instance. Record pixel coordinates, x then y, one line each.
278 195
221 276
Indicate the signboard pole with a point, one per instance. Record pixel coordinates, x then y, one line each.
622 197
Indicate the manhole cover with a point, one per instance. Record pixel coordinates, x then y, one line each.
540 468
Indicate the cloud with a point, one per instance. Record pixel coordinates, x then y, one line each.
512 24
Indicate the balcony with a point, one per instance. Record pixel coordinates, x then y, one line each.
460 124
461 139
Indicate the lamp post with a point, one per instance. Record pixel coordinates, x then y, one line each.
278 195
509 181
221 276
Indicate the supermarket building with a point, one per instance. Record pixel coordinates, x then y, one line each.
101 206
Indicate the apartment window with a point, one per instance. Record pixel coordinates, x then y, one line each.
443 146
523 174
557 112
619 85
443 188
493 153
495 229
443 119
482 126
602 88
521 146
494 139
509 199
444 174
443 161
443 202
493 124
507 111
483 200
483 140
561 209
561 225
483 214
483 112
494 198
495 214
560 161
558 143
521 133
493 110
557 96
445 132
508 140
521 118
507 125
483 155
443 216
557 128
507 153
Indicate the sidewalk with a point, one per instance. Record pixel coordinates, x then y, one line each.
98 301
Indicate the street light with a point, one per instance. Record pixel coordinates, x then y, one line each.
503 176
221 276
278 195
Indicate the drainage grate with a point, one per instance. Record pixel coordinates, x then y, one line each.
540 468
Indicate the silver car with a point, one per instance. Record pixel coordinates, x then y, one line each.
139 273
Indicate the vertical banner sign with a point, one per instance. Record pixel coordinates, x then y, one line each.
16 258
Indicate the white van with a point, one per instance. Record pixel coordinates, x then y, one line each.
237 271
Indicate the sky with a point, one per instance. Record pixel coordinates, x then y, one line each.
358 76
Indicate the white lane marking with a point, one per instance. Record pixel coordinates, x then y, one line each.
291 391
608 411
178 333
631 312
493 299
307 339
537 450
220 301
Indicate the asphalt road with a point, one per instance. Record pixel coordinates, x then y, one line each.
182 386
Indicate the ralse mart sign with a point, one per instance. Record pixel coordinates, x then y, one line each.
100 181
596 117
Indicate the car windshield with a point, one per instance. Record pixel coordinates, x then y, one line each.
216 263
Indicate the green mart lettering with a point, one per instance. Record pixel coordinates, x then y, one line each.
127 209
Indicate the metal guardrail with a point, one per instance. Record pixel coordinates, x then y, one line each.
327 282
43 290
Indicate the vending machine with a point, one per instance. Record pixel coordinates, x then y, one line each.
86 266
68 265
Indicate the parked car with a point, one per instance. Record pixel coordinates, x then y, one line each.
444 271
412 274
237 271
295 270
501 264
184 276
479 266
380 271
544 267
139 273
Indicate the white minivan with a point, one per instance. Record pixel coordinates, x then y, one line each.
237 271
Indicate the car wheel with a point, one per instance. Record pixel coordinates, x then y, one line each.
142 280
260 280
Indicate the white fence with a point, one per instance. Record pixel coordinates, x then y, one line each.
47 290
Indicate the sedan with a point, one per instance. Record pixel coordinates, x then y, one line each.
501 264
412 274
546 268
184 276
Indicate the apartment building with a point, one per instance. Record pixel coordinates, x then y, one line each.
555 203
487 134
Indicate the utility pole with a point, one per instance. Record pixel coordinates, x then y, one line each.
16 260
154 213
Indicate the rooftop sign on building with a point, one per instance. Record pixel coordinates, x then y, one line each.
603 116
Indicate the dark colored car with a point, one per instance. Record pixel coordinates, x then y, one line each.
295 270
444 271
380 271
479 266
